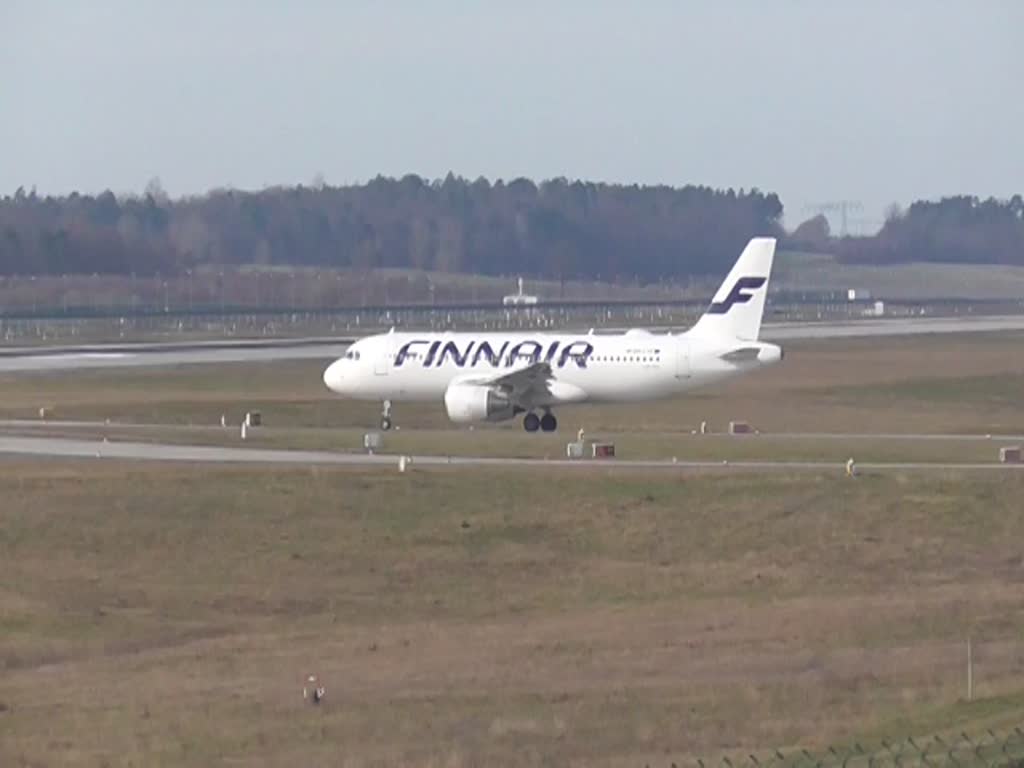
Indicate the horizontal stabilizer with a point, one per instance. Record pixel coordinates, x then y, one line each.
744 355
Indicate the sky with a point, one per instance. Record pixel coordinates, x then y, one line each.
820 101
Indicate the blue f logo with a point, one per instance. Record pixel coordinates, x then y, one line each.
738 295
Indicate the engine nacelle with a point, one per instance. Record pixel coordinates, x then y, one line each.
467 403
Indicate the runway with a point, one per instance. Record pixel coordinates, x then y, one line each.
38 359
201 454
910 326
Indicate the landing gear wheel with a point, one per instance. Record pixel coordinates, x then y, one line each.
548 422
531 422
385 423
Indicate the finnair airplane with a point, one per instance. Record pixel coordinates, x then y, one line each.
490 377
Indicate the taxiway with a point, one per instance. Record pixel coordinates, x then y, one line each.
55 447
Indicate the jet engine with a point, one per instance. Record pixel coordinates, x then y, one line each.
467 403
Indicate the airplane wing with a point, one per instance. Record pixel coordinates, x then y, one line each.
524 386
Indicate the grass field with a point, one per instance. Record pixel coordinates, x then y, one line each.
517 444
955 384
168 615
283 287
820 272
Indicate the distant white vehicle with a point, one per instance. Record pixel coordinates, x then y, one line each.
490 377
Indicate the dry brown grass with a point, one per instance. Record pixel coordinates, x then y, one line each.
920 280
657 446
157 615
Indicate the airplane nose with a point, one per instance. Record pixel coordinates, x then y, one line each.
334 376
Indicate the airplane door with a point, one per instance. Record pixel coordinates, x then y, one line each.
382 361
682 359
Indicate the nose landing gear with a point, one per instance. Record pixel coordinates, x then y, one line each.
385 416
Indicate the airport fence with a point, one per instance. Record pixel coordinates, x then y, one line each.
990 749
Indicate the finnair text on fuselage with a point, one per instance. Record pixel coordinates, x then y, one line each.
474 353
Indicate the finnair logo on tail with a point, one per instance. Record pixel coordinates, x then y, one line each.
740 294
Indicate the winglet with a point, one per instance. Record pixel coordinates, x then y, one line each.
738 307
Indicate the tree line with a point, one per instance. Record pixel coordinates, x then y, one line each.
961 229
553 230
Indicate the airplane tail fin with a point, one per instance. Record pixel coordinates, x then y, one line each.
738 307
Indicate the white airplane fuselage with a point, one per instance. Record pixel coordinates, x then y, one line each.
633 366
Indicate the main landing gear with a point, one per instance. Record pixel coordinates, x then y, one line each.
385 416
546 423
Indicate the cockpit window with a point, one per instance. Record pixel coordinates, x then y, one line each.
352 354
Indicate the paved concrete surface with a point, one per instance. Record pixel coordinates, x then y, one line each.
910 326
70 424
97 449
157 357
